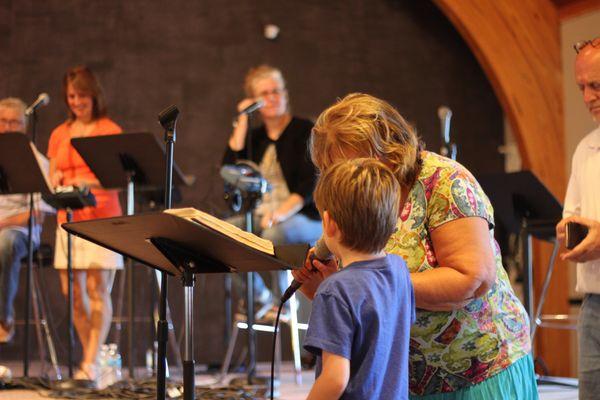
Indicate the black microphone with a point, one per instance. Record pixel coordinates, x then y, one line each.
321 253
42 100
252 107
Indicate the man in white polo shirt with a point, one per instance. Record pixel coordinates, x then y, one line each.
582 205
14 217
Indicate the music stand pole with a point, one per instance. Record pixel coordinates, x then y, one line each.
250 313
527 265
29 265
250 275
188 349
70 296
130 303
167 119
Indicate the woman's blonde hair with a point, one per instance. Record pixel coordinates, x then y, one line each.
261 72
360 125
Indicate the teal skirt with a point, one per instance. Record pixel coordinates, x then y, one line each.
517 382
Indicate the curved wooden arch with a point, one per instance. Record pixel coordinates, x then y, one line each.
517 43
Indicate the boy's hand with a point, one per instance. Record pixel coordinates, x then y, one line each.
326 269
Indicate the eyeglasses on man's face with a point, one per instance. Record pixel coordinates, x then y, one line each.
13 124
584 43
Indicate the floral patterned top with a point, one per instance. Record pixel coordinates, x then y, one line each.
453 350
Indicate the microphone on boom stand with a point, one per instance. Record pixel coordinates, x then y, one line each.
448 148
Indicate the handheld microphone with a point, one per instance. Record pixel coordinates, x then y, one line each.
252 107
42 100
321 253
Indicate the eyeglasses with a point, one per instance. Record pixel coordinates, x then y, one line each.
275 92
584 43
11 123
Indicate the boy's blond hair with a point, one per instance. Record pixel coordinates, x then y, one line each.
360 125
362 196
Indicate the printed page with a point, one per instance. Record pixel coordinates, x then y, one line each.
247 238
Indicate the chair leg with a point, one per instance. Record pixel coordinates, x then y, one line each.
278 353
294 334
535 319
41 318
229 353
118 315
38 328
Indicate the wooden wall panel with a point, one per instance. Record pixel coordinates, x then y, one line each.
573 8
517 44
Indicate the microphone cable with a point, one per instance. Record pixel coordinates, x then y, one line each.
275 329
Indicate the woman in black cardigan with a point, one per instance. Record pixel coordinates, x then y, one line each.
279 147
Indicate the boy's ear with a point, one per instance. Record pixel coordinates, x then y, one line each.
329 226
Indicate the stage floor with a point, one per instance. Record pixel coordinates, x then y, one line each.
289 390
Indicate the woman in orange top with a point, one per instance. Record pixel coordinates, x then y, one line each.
93 266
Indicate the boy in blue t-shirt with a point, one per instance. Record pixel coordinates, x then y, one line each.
359 327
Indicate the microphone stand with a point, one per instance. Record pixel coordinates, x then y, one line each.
250 275
29 263
448 149
70 296
168 120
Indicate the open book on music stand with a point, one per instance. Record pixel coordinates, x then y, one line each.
210 251
184 246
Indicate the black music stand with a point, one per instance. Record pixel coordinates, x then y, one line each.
523 205
135 161
21 172
183 248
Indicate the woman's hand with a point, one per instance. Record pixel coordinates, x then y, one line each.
466 266
244 104
55 175
313 273
268 220
56 178
240 126
287 209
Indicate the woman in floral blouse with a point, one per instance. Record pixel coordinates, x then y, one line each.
471 336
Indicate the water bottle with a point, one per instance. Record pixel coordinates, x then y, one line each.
114 362
151 359
104 375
